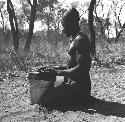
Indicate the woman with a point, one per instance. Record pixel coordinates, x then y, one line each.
78 87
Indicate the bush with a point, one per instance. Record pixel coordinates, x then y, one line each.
40 55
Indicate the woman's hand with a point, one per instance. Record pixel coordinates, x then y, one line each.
61 72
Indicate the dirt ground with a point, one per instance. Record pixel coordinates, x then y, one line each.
108 90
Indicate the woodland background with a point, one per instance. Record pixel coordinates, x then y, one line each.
25 46
20 31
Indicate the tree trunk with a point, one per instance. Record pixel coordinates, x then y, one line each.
48 30
91 27
31 26
48 25
13 24
119 33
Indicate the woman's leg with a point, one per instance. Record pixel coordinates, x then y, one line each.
61 95
85 93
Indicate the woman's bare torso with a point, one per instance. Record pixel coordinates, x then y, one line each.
72 60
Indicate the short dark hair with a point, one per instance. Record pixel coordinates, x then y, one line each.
71 16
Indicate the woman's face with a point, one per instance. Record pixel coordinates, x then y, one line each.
67 29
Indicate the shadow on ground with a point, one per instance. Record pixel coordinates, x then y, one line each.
97 106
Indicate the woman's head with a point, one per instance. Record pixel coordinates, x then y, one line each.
70 22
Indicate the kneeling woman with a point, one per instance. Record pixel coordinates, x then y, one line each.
78 87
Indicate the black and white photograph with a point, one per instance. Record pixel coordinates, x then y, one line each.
62 60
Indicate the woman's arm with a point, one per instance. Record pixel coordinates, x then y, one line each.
72 72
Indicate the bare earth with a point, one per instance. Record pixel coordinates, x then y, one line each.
108 85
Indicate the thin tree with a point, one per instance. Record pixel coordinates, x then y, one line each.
31 24
91 27
13 24
46 10
117 15
2 17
